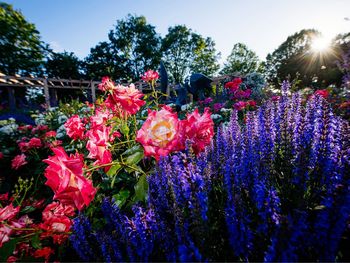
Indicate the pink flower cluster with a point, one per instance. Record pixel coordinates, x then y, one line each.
55 226
163 133
241 105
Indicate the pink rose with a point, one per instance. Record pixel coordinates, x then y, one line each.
160 133
150 76
65 177
75 128
199 129
240 105
98 143
125 100
106 84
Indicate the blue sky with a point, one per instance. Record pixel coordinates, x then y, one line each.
78 25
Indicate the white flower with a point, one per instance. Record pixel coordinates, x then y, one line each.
225 110
9 129
186 107
62 119
215 116
61 132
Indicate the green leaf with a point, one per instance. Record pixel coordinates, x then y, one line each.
35 241
114 169
7 249
134 158
121 197
132 150
141 189
125 129
27 209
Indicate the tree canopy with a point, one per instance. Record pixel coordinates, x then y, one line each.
242 60
63 65
136 44
21 50
185 51
295 58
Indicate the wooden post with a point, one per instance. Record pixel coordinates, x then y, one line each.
12 98
47 94
53 97
93 91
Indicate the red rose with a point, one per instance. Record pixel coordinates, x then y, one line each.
56 209
322 92
8 212
1 155
34 143
251 103
160 133
234 84
18 161
65 177
50 134
44 252
57 228
199 129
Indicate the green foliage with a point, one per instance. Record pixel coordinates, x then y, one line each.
133 48
185 52
21 50
241 60
63 65
102 61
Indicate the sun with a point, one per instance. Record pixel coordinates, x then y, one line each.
320 44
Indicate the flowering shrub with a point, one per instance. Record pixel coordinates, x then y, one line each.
276 189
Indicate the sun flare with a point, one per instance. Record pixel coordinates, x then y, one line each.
320 44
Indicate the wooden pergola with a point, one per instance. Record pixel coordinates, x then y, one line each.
51 85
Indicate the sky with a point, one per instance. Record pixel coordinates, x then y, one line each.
78 25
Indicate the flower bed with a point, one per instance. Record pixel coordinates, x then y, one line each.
129 179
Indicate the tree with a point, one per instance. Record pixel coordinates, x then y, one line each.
63 65
185 52
295 58
136 46
102 61
21 50
242 60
